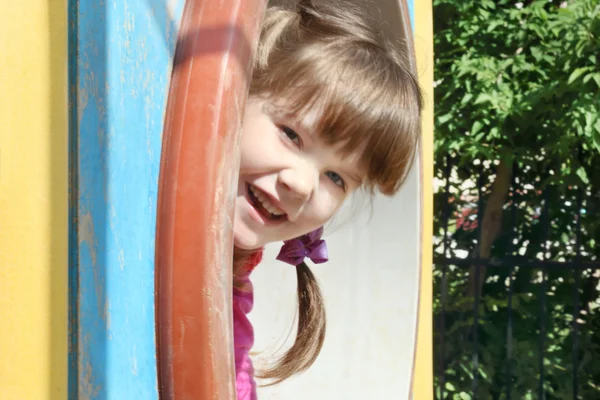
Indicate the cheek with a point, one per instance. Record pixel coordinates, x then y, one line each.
252 149
328 203
260 145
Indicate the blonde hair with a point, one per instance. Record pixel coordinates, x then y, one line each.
329 56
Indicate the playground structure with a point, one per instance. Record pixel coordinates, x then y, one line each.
90 105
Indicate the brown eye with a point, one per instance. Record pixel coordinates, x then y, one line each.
293 136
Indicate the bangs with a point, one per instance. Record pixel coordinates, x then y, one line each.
374 116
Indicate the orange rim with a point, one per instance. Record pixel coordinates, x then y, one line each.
198 183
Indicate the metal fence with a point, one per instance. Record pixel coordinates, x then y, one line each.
527 330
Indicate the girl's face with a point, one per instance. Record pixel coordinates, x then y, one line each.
290 182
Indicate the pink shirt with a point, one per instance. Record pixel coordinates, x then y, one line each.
243 333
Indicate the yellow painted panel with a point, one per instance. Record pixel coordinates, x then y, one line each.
33 200
423 384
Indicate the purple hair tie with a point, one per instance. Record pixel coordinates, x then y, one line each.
310 245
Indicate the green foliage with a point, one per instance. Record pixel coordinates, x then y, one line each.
518 82
513 81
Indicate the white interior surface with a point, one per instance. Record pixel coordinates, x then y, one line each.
371 288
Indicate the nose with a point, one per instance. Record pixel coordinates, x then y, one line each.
300 182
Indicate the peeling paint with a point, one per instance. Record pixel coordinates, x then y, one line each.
181 336
123 71
82 102
87 388
133 362
121 259
87 235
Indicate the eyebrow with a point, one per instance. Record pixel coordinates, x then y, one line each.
356 177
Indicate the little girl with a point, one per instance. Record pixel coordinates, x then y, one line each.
333 108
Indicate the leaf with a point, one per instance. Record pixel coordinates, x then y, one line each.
488 4
596 134
482 372
596 78
537 29
444 118
482 98
582 175
576 74
493 25
466 99
450 387
476 127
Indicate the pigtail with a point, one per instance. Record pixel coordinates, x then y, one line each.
310 334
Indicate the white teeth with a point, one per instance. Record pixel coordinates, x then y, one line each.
266 203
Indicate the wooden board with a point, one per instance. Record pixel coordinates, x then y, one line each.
120 65
423 36
33 200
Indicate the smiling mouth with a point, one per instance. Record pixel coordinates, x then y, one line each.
264 206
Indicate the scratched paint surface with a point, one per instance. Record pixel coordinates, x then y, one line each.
120 61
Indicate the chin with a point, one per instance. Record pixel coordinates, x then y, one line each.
246 241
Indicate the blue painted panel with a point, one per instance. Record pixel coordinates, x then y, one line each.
411 12
120 60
